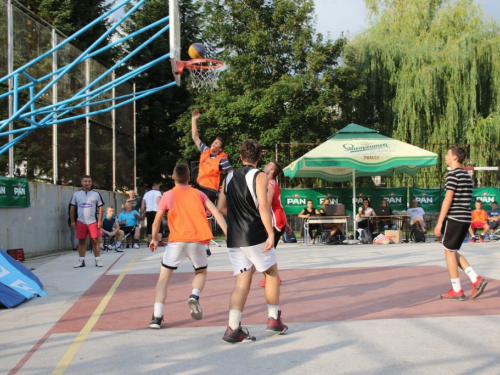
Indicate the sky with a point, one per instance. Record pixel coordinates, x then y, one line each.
348 16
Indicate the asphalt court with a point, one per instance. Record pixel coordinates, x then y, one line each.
334 298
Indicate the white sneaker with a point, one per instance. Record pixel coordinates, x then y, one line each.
98 263
136 245
80 264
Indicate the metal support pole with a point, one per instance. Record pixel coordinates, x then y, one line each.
135 148
113 125
87 122
10 69
55 162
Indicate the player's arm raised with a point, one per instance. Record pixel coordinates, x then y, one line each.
194 127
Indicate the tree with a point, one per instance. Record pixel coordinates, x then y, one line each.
279 84
430 70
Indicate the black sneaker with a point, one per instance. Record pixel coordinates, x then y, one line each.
155 322
127 247
240 334
194 305
208 252
118 250
276 325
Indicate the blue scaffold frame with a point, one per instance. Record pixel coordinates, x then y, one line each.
87 97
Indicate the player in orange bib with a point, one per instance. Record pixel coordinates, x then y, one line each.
213 161
189 234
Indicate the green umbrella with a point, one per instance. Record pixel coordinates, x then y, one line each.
356 151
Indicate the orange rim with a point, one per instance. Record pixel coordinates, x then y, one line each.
195 64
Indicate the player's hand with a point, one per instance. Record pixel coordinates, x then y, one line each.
99 225
269 244
153 246
437 230
195 115
288 230
73 224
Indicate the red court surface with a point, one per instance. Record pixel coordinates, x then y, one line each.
308 295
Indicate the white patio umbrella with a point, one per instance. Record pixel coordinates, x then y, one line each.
356 151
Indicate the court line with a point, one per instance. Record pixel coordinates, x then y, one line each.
82 335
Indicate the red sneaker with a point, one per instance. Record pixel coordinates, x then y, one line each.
452 295
161 243
263 282
276 325
478 287
240 334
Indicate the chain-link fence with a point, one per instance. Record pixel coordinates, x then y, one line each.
102 145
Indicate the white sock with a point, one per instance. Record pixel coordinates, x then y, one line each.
234 319
455 283
82 259
97 258
472 275
118 244
158 309
272 311
196 292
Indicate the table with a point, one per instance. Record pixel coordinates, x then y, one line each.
324 220
401 221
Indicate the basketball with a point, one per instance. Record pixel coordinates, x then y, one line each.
197 51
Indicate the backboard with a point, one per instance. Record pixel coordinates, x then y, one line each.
175 38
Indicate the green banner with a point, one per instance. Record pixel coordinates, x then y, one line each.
428 199
486 195
295 200
14 192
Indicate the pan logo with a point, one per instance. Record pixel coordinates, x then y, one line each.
424 199
296 200
485 199
393 199
332 200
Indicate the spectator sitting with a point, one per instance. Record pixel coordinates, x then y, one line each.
493 216
111 228
479 219
334 228
129 219
385 210
417 216
364 213
306 214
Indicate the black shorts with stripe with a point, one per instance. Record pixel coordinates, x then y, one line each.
454 234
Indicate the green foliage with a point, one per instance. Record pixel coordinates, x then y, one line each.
280 84
69 16
429 73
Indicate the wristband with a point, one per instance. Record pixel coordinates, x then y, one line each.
155 242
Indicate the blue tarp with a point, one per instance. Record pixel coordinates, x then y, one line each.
17 283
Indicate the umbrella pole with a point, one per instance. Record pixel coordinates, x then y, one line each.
354 203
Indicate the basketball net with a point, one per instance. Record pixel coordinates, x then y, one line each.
204 72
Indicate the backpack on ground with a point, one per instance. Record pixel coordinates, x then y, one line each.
337 239
418 234
365 236
289 238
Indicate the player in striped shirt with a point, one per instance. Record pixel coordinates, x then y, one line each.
455 218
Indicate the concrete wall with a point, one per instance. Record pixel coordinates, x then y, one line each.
43 227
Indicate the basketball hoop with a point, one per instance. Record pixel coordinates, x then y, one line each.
204 72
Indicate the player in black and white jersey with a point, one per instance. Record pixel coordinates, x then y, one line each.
454 221
250 241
